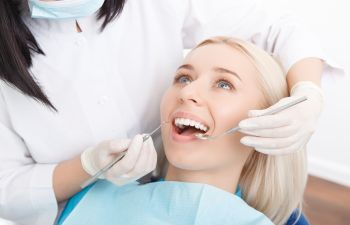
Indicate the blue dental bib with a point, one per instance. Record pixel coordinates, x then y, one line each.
162 203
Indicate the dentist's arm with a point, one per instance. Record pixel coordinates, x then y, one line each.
26 193
309 69
67 177
29 191
139 160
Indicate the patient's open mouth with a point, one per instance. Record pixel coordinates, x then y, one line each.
189 127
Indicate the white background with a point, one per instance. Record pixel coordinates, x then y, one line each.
329 149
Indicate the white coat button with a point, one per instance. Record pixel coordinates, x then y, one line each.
103 100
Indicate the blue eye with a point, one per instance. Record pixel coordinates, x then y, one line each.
224 85
183 79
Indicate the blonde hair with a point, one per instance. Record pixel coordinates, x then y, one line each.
274 185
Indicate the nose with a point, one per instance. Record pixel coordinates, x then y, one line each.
191 94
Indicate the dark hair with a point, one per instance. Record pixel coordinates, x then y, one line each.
17 45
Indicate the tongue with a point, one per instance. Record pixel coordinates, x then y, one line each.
190 131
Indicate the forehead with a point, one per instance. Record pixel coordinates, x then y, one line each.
221 55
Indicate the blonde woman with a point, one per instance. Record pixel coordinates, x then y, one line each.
218 83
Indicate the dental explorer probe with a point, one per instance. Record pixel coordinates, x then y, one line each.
234 129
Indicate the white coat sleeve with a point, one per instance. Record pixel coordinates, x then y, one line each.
283 36
26 191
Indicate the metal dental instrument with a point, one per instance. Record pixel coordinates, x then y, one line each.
112 163
234 129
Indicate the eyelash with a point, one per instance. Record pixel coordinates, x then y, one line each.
179 76
226 81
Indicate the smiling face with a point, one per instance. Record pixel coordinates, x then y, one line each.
214 88
212 91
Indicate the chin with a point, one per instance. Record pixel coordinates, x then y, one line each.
186 159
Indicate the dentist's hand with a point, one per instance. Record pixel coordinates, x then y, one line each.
289 130
139 160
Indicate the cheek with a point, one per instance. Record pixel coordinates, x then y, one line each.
229 115
229 152
183 157
229 111
166 104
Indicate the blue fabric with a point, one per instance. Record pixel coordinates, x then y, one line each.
162 203
63 9
77 197
238 190
73 202
301 221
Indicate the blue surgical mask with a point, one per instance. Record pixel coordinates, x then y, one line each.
63 9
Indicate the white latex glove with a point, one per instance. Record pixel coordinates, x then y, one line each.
139 160
289 130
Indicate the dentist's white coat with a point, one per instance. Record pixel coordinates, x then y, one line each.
108 85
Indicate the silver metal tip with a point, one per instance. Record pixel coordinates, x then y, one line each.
201 136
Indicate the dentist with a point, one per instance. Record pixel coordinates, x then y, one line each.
78 77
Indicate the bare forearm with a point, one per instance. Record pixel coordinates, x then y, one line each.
308 69
67 178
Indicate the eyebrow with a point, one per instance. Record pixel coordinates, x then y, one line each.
223 70
186 66
216 69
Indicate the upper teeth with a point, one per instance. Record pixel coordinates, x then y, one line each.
182 122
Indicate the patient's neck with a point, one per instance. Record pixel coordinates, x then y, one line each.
224 178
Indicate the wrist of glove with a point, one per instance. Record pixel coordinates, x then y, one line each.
289 130
313 92
139 160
